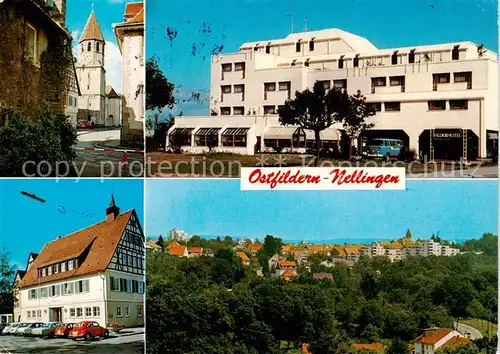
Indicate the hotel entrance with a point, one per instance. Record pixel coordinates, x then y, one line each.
55 314
448 144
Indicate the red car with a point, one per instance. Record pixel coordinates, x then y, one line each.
88 330
63 329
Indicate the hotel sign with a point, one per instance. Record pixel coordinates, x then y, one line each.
446 134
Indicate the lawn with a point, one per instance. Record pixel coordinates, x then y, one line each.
486 328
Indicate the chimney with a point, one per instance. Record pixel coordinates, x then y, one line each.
60 12
112 211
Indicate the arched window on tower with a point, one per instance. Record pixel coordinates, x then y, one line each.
89 47
83 48
97 47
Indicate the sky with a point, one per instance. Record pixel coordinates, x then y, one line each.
108 12
26 225
452 209
386 23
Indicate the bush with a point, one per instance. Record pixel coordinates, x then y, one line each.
47 137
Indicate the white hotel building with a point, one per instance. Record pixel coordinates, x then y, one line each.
93 274
441 100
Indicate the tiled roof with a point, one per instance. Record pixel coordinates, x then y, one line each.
173 244
322 276
178 251
255 247
289 274
432 336
100 239
287 264
153 244
92 30
133 9
243 256
352 248
454 342
196 250
138 18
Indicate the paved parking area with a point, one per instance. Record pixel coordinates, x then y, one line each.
128 341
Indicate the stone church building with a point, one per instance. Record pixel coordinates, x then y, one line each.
99 103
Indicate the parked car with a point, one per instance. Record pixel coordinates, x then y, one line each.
88 330
28 331
20 329
63 329
45 330
382 147
3 325
9 328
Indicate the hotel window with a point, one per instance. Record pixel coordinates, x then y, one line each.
82 286
394 58
375 106
240 67
355 61
269 109
397 81
140 310
141 287
72 313
118 311
455 53
238 88
225 111
32 43
340 85
297 47
437 105
97 311
70 265
227 67
341 62
68 288
32 294
88 311
63 267
442 78
459 104
326 84
226 89
411 56
126 310
269 86
79 312
43 293
379 81
238 111
392 106
464 77
311 45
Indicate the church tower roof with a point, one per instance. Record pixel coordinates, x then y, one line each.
92 30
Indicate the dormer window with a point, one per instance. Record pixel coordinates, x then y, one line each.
44 272
455 53
63 267
49 270
56 268
311 45
411 56
297 47
70 265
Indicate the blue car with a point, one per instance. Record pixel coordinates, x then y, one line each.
384 148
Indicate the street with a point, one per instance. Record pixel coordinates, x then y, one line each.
464 329
127 341
472 172
96 163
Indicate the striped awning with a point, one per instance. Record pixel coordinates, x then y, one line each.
182 131
327 134
236 131
207 131
280 132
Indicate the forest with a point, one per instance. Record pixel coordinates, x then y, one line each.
218 305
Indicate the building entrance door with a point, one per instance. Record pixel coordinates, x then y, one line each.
55 314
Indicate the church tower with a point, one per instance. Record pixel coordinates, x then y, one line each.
91 74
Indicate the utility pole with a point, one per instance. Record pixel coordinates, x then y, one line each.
305 24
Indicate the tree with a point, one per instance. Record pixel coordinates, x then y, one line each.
159 91
397 346
272 245
315 110
7 273
160 242
26 141
354 121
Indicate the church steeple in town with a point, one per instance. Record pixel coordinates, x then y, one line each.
112 211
